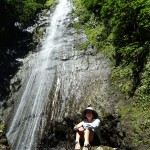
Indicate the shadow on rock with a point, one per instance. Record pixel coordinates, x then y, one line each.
61 135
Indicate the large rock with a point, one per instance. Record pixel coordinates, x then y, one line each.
103 148
61 135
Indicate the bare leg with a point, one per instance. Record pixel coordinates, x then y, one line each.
88 136
77 137
79 134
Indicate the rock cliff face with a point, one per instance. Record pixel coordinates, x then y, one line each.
75 78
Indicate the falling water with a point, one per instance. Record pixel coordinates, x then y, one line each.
28 120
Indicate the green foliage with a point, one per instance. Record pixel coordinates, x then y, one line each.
124 76
81 12
29 10
84 46
92 5
50 3
24 10
92 37
2 127
136 117
125 19
121 29
143 91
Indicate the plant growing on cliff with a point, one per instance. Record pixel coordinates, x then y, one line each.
121 29
50 3
2 127
24 11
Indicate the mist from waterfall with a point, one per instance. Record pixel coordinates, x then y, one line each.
29 118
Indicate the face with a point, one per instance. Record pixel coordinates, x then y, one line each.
89 114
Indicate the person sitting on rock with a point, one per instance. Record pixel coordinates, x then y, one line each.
88 131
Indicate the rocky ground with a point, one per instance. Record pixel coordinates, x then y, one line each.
60 135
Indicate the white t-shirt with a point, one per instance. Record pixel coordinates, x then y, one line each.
95 126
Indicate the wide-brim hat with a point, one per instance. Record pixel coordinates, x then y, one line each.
95 114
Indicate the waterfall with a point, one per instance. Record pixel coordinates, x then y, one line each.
28 121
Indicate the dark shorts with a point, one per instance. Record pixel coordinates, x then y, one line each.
96 140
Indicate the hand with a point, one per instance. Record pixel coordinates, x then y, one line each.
81 129
75 128
78 128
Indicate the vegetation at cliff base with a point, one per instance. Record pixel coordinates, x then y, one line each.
121 29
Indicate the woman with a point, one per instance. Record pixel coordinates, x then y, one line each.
88 130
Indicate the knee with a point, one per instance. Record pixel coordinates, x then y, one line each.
88 130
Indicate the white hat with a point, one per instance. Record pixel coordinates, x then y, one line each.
95 114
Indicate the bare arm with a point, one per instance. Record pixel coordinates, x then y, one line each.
78 125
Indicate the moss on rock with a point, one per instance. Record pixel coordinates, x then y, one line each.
4 144
135 122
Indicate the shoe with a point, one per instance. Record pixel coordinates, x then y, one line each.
87 147
77 146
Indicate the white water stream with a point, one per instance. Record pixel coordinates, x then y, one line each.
28 121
